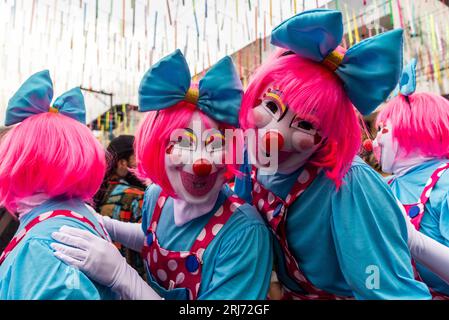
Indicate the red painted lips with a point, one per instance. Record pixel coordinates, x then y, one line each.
198 186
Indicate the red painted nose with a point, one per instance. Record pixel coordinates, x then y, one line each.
272 138
368 145
202 168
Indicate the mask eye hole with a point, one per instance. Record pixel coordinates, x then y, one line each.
185 140
272 107
306 125
215 142
303 125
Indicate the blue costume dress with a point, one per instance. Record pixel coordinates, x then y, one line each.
408 188
350 242
238 261
32 272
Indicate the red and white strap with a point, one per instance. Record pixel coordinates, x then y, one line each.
45 216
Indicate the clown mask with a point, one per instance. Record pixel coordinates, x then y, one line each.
285 138
194 162
384 147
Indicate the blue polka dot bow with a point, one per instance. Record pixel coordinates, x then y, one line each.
407 84
35 97
168 82
370 70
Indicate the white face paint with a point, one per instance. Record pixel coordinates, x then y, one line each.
295 138
384 147
194 162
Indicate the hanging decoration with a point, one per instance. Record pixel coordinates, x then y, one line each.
108 45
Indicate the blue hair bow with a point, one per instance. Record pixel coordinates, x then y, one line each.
407 84
35 96
370 70
168 82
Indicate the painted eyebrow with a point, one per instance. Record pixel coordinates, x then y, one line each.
190 133
275 98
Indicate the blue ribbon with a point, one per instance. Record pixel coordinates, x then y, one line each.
35 96
168 83
370 70
407 84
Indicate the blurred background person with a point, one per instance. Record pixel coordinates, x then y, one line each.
121 194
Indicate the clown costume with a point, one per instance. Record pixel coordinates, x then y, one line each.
340 232
413 144
198 239
50 165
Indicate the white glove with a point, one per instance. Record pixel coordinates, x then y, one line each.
428 252
128 234
101 262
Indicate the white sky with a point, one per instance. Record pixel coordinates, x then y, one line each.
65 37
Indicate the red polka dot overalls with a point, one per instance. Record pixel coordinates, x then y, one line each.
274 210
416 212
46 216
172 269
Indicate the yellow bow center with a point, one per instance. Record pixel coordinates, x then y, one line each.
53 110
192 96
333 60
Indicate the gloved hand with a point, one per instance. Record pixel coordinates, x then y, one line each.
101 262
428 252
128 234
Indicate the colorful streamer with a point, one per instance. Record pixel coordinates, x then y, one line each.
348 21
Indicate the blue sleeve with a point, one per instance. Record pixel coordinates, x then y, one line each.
371 239
243 183
37 274
243 266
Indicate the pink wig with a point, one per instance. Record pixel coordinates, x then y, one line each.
420 124
153 137
309 88
52 154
